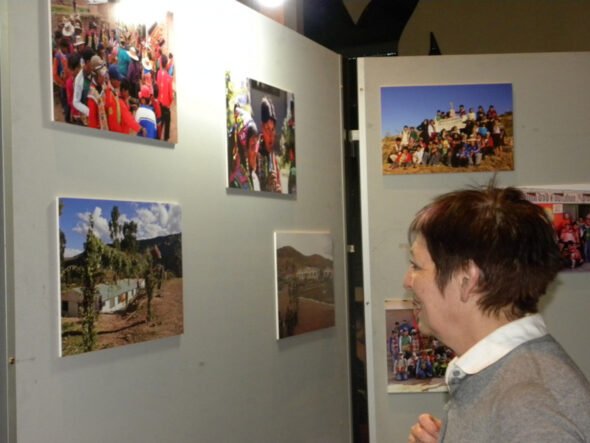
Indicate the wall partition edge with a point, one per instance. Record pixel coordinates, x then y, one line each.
365 228
7 397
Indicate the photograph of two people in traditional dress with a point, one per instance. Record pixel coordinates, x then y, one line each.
260 137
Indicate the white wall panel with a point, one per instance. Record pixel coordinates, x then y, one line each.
226 379
550 131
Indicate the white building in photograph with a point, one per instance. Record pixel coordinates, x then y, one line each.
308 273
109 298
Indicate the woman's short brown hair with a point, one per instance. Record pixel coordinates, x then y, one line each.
510 239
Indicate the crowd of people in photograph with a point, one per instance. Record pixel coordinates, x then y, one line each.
574 240
113 77
473 136
416 356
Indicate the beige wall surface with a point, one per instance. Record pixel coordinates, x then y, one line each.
497 26
550 97
227 378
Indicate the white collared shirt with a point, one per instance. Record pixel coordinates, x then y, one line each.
496 345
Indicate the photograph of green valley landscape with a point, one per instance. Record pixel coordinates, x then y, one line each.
120 273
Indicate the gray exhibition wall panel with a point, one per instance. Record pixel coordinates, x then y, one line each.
6 338
549 97
226 378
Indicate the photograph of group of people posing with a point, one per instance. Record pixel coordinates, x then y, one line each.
110 74
421 136
416 362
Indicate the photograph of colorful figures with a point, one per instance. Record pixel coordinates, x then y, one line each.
120 273
260 137
304 282
569 211
113 67
447 128
415 362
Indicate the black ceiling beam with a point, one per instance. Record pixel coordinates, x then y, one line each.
377 31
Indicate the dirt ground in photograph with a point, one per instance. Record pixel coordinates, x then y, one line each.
502 162
412 384
312 315
132 327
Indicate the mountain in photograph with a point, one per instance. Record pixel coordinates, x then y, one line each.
305 292
170 247
120 289
288 257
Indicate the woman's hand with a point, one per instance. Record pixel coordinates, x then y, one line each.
426 430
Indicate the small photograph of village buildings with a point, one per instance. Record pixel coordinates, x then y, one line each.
305 282
120 273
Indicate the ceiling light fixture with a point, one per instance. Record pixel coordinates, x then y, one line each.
271 3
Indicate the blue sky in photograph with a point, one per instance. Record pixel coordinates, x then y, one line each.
410 105
153 220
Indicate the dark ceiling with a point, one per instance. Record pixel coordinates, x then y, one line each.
328 22
377 31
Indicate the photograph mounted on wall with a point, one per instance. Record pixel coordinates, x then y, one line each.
569 210
260 137
447 128
120 273
304 282
113 67
415 362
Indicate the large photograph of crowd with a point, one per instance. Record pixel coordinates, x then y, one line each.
113 67
569 211
260 137
120 273
415 362
448 128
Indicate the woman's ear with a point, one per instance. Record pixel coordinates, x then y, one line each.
469 280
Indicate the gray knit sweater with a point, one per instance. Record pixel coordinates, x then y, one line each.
534 394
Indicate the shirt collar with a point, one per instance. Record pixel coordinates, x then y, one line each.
496 345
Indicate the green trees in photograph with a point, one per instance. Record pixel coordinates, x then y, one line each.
62 240
129 242
115 228
91 272
92 279
153 276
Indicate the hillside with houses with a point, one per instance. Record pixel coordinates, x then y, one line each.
305 292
